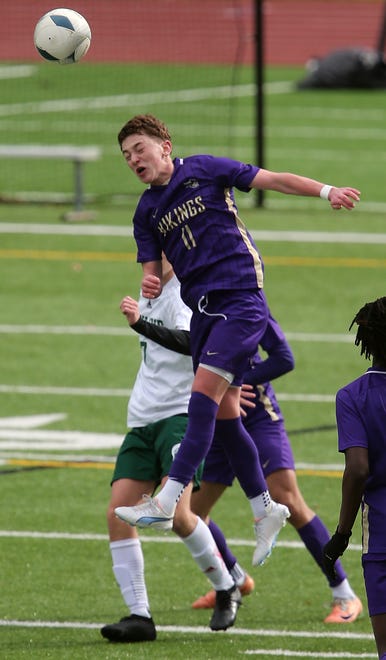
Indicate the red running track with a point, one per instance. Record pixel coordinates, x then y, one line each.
201 31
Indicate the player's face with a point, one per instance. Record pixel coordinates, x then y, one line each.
148 158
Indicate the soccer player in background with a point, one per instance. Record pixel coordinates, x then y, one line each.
264 421
157 418
189 212
361 424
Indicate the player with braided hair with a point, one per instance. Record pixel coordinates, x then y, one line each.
361 422
371 334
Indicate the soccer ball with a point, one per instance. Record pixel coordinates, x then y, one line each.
62 35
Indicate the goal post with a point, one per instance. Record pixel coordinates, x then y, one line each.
259 95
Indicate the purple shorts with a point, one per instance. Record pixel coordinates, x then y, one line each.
273 445
374 573
226 329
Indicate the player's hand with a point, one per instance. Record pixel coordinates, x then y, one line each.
129 307
151 286
344 198
332 550
246 398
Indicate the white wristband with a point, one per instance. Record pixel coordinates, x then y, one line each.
325 191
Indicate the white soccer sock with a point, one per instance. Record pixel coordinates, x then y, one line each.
238 574
343 590
205 553
260 504
169 495
128 568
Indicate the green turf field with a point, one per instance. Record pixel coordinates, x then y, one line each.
65 352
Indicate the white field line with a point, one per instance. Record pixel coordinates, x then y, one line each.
284 653
31 421
188 95
343 114
288 154
134 100
202 630
12 439
346 635
113 331
258 235
181 96
67 330
97 459
166 538
64 391
126 332
19 71
312 154
306 132
51 439
120 392
245 133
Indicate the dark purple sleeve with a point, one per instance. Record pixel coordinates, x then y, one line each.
279 362
280 358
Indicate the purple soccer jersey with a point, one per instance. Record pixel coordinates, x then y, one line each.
361 422
194 220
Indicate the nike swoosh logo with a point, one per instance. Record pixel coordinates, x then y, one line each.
347 617
212 352
149 520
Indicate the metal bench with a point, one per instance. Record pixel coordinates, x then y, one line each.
78 155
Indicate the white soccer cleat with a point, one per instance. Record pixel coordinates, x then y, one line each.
148 514
267 530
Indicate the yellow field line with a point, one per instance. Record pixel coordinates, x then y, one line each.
65 255
59 463
335 474
52 463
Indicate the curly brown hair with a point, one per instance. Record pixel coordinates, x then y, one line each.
144 125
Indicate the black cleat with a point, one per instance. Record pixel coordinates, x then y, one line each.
132 628
225 611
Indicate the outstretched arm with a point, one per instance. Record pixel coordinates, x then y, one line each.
173 339
293 184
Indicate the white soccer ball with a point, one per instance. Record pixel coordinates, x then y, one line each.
62 35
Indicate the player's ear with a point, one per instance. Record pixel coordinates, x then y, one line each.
167 148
